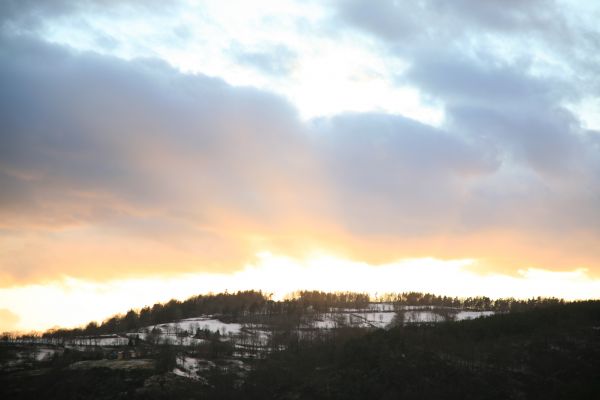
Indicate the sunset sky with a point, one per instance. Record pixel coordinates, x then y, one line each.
155 150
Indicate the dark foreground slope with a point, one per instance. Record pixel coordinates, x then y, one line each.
551 353
548 353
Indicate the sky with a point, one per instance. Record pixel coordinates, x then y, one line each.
156 150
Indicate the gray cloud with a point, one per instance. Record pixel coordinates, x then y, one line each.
142 133
31 15
138 153
138 149
79 123
504 104
388 19
403 20
276 60
465 55
398 176
553 34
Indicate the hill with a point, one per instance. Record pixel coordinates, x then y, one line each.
319 346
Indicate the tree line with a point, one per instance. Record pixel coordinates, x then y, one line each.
236 306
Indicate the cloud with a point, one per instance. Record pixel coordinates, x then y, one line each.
505 104
395 175
547 38
140 149
507 95
94 126
276 60
114 168
416 190
9 321
403 20
30 15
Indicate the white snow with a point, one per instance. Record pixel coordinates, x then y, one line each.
381 307
44 353
191 324
325 324
355 319
187 367
379 319
463 315
102 340
422 317
182 332
253 336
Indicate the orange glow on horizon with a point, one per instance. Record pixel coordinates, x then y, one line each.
40 307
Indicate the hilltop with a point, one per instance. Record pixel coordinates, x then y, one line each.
310 345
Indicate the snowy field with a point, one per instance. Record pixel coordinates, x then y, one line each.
354 319
382 316
381 307
192 324
463 315
104 341
255 337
